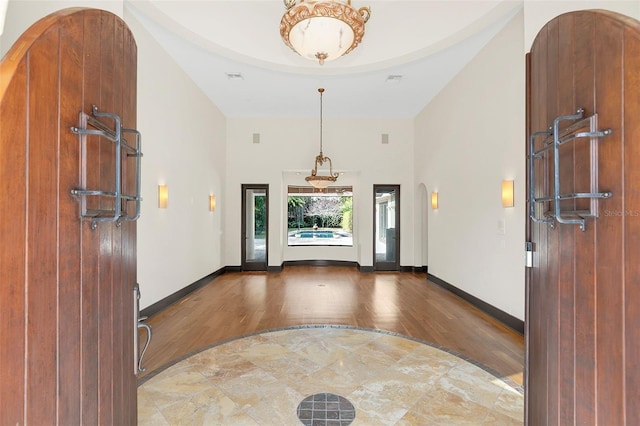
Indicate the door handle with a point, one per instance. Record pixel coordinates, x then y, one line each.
139 323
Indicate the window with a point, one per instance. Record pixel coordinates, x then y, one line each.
320 217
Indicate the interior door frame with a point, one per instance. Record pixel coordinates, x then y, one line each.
387 265
254 265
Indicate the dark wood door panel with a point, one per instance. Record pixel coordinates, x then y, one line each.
582 298
41 229
609 328
66 300
12 252
631 242
70 276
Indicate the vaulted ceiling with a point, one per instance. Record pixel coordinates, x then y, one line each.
410 51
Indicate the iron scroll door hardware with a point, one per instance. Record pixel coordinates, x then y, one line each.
536 155
557 142
555 139
137 152
139 322
90 125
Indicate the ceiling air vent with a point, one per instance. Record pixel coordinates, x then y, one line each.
236 76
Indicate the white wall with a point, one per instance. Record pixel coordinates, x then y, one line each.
21 14
183 139
289 146
468 139
538 12
184 147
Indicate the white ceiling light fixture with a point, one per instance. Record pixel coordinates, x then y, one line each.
322 30
316 180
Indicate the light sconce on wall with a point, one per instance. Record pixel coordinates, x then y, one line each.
163 196
434 200
507 193
212 203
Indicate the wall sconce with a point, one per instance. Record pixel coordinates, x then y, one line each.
434 200
163 196
507 193
212 203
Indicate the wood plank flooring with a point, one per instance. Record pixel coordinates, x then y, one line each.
240 303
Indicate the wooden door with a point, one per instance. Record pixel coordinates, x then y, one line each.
583 291
66 290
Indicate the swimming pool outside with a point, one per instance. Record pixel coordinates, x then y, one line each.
320 237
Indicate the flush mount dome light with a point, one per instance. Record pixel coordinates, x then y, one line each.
322 30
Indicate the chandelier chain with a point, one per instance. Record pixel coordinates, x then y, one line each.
321 181
321 90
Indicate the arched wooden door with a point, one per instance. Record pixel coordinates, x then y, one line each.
66 290
583 291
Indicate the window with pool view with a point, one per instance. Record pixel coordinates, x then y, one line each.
320 217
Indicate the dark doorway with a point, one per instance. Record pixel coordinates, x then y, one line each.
255 226
386 227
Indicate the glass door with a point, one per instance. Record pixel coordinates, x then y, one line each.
386 223
255 225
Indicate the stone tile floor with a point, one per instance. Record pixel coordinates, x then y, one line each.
261 379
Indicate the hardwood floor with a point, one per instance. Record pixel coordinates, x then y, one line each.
235 304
